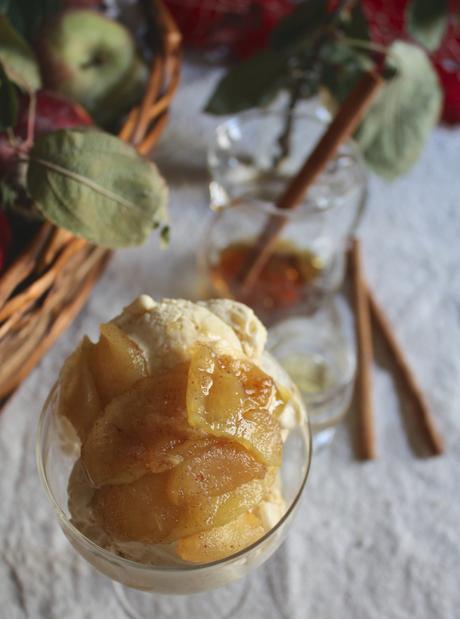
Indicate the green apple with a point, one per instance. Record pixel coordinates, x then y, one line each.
127 93
91 59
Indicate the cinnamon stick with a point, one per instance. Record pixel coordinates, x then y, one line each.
341 128
422 409
363 385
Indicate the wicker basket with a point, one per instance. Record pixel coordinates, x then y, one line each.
47 285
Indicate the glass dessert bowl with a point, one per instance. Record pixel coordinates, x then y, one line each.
176 513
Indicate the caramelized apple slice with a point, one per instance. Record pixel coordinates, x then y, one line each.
116 362
140 431
233 398
213 471
78 398
206 513
221 542
140 511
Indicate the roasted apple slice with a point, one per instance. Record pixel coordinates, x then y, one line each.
221 542
140 431
215 470
116 362
233 398
79 401
140 511
204 513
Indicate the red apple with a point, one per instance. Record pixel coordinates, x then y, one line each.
52 112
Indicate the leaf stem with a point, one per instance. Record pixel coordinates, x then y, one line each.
31 117
284 139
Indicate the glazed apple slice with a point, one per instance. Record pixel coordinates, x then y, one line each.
233 398
213 471
116 362
204 513
138 512
140 431
221 542
78 400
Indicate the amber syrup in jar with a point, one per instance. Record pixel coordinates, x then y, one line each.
287 279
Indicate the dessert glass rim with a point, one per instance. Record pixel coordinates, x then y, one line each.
110 556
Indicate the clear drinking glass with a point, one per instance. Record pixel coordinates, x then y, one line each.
55 461
322 363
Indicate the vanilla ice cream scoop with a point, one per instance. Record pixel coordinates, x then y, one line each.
180 416
166 331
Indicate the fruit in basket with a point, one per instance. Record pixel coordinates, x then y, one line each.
91 59
52 112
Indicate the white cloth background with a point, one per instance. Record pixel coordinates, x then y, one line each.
379 540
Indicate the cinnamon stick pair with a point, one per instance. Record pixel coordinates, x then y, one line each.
367 308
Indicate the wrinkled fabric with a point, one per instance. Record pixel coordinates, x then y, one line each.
371 541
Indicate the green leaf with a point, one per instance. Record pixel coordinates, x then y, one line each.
28 16
252 83
308 18
96 186
8 195
342 66
17 57
394 131
4 5
354 23
427 21
8 101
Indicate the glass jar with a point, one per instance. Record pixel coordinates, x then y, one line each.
250 166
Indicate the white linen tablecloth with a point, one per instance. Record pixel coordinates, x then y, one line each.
377 540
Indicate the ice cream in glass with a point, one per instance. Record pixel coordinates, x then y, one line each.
164 445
